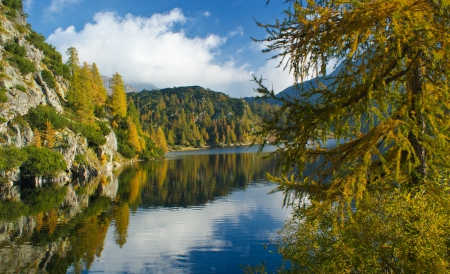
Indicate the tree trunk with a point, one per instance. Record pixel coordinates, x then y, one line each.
416 88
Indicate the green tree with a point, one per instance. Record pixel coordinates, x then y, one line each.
118 98
73 62
385 109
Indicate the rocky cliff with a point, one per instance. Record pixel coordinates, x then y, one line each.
28 79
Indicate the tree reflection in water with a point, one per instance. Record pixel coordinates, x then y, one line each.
58 240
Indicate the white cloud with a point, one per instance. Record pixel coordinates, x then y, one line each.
156 50
27 4
158 237
207 14
58 5
239 31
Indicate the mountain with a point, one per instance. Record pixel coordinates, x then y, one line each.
294 91
195 116
107 84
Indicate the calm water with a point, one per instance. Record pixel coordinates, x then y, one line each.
194 212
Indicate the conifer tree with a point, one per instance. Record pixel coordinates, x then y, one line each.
84 86
160 139
49 134
133 136
118 97
386 110
99 93
37 141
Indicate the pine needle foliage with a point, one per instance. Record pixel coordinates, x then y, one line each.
387 106
118 98
365 157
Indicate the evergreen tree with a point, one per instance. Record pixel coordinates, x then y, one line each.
160 139
386 110
118 98
49 134
99 93
133 136
37 141
73 62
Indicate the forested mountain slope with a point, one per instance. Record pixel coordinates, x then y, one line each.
195 116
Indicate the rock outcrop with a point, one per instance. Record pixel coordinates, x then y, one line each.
25 91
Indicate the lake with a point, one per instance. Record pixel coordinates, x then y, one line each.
202 211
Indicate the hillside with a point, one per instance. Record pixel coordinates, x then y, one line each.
57 123
195 116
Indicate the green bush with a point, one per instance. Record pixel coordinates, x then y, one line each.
126 150
104 127
3 97
81 159
94 137
38 116
20 120
43 162
99 112
24 65
48 78
16 49
14 4
11 158
21 88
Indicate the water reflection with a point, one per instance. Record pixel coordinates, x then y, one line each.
191 213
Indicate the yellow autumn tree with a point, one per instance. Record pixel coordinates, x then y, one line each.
49 134
99 93
377 200
133 136
37 141
160 139
118 97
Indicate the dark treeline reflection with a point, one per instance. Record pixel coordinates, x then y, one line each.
191 180
56 237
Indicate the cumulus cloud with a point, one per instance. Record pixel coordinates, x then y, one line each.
58 5
207 14
157 238
27 4
156 50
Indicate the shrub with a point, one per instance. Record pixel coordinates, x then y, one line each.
14 4
38 116
126 150
104 128
24 65
3 97
93 136
21 88
48 78
99 112
16 49
11 158
20 120
43 162
81 159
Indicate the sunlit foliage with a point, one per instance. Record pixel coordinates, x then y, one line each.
386 109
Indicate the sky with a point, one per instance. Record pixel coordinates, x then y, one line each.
167 43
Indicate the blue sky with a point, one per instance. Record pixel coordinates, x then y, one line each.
166 43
